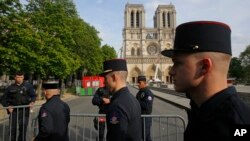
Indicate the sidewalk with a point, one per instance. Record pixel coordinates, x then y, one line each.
180 102
175 100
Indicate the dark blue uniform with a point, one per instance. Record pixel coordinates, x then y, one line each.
53 118
124 117
145 98
217 117
97 100
16 95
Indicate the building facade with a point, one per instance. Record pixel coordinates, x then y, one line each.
142 45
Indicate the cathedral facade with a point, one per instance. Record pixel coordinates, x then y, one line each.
142 45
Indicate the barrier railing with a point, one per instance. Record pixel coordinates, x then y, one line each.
13 125
164 127
82 126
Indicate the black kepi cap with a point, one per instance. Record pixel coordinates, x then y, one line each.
114 65
50 84
141 78
201 36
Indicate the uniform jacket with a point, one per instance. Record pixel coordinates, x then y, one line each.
217 117
124 117
15 95
53 119
145 98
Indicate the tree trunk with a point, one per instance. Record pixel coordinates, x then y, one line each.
39 87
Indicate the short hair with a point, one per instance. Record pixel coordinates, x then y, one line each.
19 73
123 75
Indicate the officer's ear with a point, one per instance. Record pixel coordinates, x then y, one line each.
205 66
114 76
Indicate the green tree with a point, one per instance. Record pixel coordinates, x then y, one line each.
18 43
108 52
87 46
245 62
235 68
52 23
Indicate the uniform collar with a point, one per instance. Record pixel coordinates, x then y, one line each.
211 104
53 97
19 84
119 92
143 89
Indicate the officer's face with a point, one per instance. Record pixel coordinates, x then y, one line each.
19 79
109 82
185 72
141 84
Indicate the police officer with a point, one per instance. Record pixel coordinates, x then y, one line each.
20 93
145 98
102 100
54 115
201 57
124 112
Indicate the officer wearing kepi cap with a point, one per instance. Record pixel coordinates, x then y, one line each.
124 113
54 115
145 98
201 57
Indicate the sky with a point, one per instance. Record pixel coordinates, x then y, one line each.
107 16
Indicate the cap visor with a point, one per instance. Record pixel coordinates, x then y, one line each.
168 53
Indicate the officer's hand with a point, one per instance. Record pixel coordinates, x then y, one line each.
10 109
106 100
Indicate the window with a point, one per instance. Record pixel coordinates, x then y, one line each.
138 51
137 19
132 51
168 19
132 19
164 19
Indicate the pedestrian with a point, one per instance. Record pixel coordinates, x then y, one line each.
123 115
145 98
201 57
21 94
102 100
54 115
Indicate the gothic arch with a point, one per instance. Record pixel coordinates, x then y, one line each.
134 73
132 51
138 51
168 19
137 19
150 71
164 19
132 19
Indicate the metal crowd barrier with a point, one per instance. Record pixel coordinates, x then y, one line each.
81 126
164 127
6 122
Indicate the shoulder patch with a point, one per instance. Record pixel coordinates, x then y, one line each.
44 114
150 98
114 119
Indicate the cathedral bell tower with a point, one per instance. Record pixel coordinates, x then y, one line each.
142 46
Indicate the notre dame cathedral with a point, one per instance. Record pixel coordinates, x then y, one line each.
142 45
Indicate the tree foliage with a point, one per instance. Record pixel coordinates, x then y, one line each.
240 67
245 62
47 37
235 69
108 52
